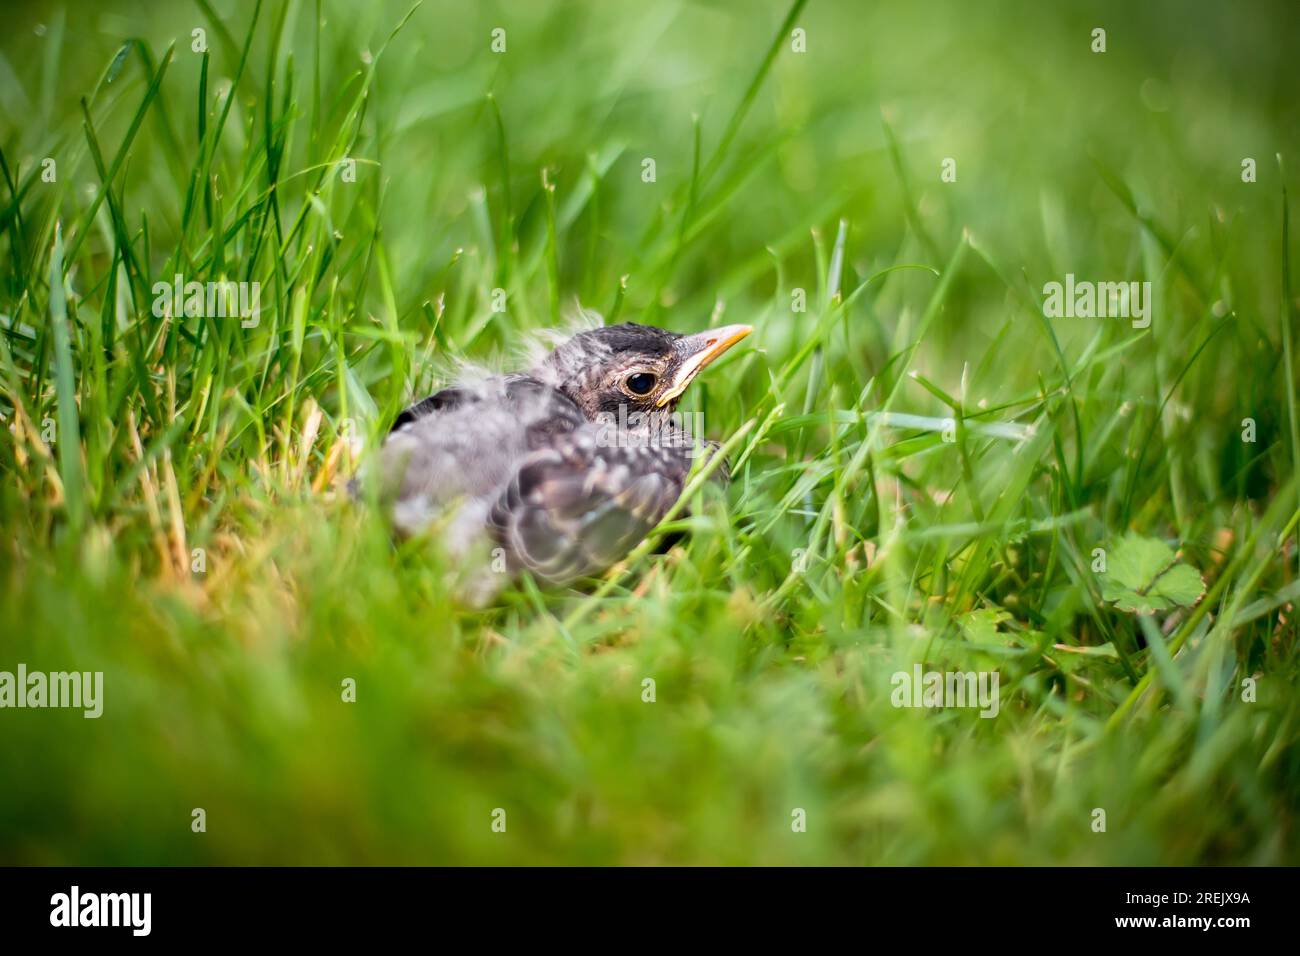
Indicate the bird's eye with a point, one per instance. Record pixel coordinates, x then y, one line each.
642 383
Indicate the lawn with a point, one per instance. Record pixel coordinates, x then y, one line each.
940 462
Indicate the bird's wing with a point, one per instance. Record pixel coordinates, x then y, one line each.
527 397
448 398
575 508
465 442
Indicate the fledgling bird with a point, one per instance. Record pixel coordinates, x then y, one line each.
564 467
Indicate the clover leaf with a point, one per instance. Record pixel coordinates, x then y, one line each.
1144 575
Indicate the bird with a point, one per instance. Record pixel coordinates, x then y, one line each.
558 470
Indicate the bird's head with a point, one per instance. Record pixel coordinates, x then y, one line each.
639 366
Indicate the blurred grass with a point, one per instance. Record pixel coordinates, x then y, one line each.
130 441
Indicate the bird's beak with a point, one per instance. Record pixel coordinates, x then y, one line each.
699 350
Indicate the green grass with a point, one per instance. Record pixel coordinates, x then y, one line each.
131 441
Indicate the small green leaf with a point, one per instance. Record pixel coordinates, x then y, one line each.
1144 575
119 61
981 626
1091 650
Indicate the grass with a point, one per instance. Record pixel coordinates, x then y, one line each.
170 512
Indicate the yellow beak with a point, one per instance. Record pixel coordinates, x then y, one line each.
699 350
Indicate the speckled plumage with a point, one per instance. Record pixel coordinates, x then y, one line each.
559 470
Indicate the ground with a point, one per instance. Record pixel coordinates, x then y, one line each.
938 464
